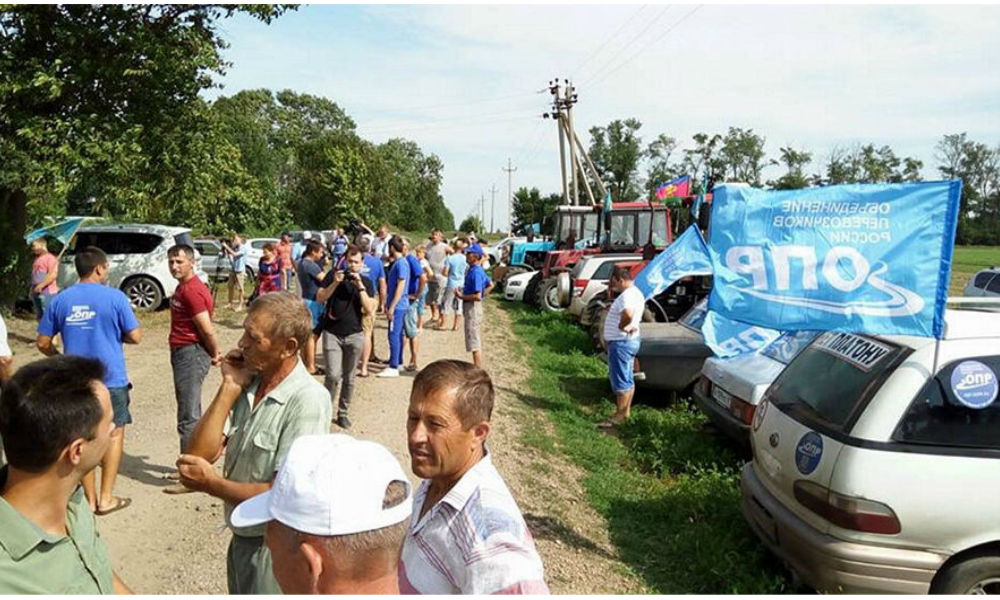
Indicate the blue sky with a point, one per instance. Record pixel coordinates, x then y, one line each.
462 81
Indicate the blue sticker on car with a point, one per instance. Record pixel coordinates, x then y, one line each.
808 453
974 384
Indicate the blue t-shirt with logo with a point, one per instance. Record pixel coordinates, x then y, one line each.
92 319
373 270
456 269
415 271
476 280
400 270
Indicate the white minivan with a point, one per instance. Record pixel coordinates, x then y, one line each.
876 462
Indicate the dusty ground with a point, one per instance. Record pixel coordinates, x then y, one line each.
165 544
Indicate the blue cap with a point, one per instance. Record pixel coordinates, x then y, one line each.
475 249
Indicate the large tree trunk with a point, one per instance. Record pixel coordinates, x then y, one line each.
13 251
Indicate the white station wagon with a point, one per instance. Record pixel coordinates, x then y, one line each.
874 471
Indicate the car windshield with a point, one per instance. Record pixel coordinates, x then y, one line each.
788 345
693 318
831 381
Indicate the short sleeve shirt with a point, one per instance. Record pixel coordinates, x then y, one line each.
4 346
343 308
33 561
473 541
415 271
92 319
373 270
190 298
239 258
308 271
259 436
631 299
436 255
40 269
284 254
476 280
399 274
456 269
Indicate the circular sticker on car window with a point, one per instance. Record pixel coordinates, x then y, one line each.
808 452
974 384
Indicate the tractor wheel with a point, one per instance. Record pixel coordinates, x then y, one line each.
531 291
548 296
597 329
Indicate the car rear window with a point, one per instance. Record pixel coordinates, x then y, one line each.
118 242
788 345
958 407
831 381
982 279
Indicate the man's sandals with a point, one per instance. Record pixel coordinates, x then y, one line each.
119 504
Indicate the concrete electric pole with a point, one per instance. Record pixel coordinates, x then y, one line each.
493 201
510 198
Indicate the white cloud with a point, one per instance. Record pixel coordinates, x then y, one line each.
807 76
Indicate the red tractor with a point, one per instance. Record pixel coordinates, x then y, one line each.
629 227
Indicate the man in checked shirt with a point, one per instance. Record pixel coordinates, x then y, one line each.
466 534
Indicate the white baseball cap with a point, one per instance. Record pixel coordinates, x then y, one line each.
330 484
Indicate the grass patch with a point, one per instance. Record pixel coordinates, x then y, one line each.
667 489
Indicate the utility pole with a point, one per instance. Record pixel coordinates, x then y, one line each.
570 100
493 201
562 103
482 210
510 198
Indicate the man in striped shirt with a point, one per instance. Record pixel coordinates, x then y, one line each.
466 534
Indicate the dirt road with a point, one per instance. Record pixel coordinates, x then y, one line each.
165 544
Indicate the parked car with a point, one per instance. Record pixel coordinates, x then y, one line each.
255 251
876 459
730 389
497 252
516 286
138 257
984 283
589 278
216 263
671 354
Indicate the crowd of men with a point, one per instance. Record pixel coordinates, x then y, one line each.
309 511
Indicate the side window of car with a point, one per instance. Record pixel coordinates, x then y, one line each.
604 271
993 285
958 407
206 248
100 239
137 243
982 279
258 244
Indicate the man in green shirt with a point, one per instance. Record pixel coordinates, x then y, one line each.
268 399
56 424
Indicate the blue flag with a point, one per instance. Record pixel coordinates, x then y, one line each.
872 258
726 337
688 255
62 231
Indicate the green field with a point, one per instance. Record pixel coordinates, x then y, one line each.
968 260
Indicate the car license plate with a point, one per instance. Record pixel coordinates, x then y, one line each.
722 396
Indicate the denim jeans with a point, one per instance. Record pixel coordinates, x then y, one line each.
342 355
190 365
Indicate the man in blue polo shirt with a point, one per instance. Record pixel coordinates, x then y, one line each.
477 285
94 320
398 303
416 290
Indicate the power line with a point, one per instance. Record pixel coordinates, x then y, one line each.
431 122
627 46
606 41
645 47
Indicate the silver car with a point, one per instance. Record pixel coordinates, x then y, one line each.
216 263
983 283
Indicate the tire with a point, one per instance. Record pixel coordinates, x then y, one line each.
548 296
597 329
592 312
143 292
511 271
977 574
531 291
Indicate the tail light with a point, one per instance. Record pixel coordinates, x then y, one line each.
741 410
579 285
849 512
703 385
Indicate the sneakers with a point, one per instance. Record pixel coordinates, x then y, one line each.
343 422
389 372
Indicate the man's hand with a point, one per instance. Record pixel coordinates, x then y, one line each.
235 369
37 288
218 359
338 277
196 473
458 293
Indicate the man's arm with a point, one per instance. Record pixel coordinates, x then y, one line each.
207 437
6 369
625 321
400 285
119 586
381 292
49 278
45 345
323 294
199 474
367 302
423 284
132 337
206 333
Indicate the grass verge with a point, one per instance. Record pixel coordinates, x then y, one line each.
667 489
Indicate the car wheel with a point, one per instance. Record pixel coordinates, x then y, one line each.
974 575
548 296
531 291
592 312
597 329
143 292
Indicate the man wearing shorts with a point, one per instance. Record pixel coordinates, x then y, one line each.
311 276
373 270
454 271
621 334
437 252
94 320
472 294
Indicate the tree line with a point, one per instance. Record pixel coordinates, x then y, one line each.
102 113
632 169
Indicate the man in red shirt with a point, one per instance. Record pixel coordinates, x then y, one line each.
193 347
284 249
44 271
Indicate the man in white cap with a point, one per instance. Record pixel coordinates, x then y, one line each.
336 517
